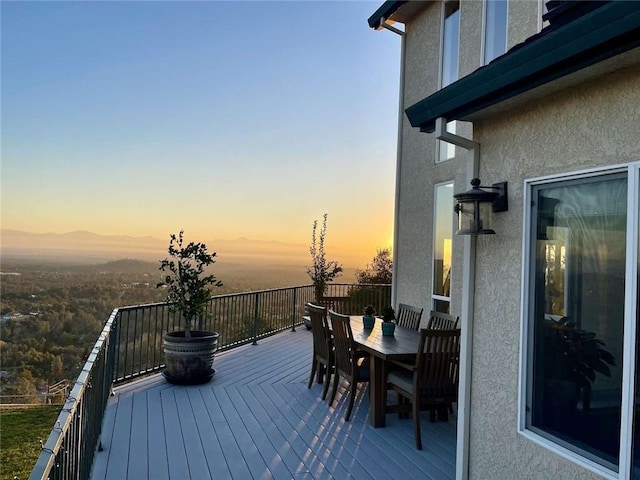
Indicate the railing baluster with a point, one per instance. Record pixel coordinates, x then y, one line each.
294 305
255 318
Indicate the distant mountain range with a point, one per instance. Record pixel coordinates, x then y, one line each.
87 245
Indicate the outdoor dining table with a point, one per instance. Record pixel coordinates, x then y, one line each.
402 345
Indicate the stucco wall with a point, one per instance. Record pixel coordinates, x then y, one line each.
590 126
593 125
413 250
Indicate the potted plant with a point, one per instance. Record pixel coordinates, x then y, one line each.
188 353
322 271
369 318
572 357
388 323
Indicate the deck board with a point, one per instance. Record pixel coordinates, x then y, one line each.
156 456
138 463
258 419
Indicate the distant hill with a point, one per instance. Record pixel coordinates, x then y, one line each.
237 276
91 248
82 243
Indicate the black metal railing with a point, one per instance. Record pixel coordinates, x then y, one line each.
238 318
130 346
69 450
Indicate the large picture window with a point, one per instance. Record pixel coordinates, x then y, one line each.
581 303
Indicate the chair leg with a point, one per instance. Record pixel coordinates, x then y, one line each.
336 379
416 423
327 380
314 366
353 389
321 369
443 414
432 415
407 407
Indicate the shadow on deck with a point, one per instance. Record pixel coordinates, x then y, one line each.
257 419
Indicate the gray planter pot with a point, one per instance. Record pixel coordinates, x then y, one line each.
189 361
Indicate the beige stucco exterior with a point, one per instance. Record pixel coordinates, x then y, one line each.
592 126
588 125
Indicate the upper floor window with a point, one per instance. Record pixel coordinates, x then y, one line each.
450 43
495 29
447 150
449 73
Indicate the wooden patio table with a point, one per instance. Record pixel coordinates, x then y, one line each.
403 345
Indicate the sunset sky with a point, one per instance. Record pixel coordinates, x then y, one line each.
225 119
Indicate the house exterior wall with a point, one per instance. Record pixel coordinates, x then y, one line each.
415 240
592 125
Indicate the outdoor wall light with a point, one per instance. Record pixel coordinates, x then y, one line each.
475 207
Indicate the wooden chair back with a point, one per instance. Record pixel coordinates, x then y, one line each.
438 366
442 321
344 347
409 316
320 330
335 303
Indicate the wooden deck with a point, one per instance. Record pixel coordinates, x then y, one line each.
257 419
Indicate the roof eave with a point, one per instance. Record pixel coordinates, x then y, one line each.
385 11
609 31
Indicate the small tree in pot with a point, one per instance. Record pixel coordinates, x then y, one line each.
322 271
188 353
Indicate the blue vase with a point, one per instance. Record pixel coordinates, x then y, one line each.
368 321
388 328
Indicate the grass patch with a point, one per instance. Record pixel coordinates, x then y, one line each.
20 434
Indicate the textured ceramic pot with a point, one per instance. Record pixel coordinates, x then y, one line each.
189 361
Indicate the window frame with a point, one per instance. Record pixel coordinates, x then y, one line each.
483 46
542 9
632 295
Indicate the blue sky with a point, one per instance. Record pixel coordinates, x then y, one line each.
226 119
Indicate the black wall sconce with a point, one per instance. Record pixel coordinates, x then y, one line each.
475 207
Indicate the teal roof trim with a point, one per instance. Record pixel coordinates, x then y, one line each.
387 9
605 32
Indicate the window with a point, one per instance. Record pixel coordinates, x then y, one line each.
450 43
449 72
542 9
495 29
442 235
447 150
581 316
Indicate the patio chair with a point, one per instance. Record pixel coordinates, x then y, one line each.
409 316
442 321
322 362
432 382
350 364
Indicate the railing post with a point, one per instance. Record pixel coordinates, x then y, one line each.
255 319
295 304
116 346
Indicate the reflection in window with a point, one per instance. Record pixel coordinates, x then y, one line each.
443 232
495 29
577 299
